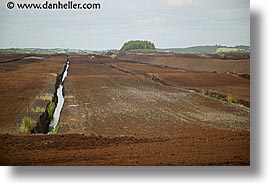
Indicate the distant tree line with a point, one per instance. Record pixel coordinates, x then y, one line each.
138 45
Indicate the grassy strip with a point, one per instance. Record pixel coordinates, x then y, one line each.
51 108
44 97
212 94
27 125
229 99
54 131
233 100
37 109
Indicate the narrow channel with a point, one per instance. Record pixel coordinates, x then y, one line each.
60 100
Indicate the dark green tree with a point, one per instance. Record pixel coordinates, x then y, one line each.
138 45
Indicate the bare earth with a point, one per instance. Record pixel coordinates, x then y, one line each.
117 112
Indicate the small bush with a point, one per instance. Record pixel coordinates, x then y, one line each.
27 125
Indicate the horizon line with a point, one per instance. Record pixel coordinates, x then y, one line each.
53 48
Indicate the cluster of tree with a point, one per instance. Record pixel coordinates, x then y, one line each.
138 45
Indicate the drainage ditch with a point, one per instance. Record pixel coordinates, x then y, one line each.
49 120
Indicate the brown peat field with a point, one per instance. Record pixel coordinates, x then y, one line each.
136 109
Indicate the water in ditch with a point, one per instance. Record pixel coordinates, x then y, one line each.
60 101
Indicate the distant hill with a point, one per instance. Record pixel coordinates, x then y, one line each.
209 49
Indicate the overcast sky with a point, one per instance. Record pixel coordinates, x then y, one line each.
168 23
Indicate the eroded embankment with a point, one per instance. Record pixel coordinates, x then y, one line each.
222 97
218 148
207 93
48 121
14 59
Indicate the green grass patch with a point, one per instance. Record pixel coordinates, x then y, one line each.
27 125
211 94
51 108
69 97
97 53
45 97
227 50
37 109
55 131
113 56
233 100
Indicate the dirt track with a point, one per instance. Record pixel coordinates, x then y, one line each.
115 114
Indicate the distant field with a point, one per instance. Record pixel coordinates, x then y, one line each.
208 49
189 62
225 50
195 49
